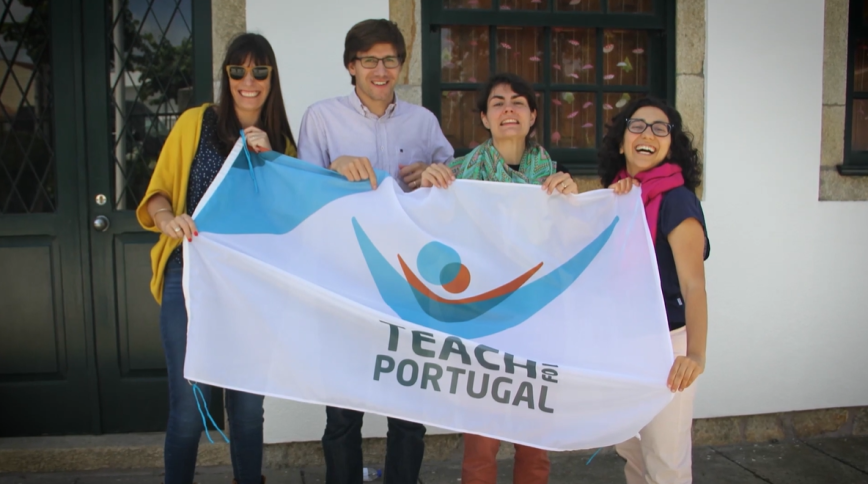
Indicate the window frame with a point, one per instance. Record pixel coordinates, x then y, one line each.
660 26
855 162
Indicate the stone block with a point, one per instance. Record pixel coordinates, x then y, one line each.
587 183
763 428
860 423
832 147
716 431
814 423
690 102
834 187
228 19
408 15
690 37
835 52
410 94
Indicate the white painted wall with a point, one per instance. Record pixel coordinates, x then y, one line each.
788 292
787 274
308 40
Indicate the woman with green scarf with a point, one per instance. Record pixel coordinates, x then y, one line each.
508 110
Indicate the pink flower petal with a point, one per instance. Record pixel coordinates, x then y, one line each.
505 45
504 7
557 66
639 51
471 79
574 42
609 77
473 43
587 66
607 107
556 137
572 115
609 48
587 105
575 2
573 75
587 125
556 102
534 58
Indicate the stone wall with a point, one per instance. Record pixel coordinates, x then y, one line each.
228 19
833 186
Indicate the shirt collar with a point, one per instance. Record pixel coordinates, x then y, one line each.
360 107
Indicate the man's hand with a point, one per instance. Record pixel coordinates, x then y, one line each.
412 174
355 168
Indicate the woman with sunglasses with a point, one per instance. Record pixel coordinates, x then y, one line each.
250 100
646 144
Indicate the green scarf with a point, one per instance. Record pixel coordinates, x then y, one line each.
486 163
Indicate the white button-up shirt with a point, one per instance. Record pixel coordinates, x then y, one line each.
341 126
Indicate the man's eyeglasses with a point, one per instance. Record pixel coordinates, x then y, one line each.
372 62
260 73
659 128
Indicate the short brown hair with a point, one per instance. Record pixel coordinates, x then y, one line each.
369 33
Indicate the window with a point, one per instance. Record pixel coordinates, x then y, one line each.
585 58
856 125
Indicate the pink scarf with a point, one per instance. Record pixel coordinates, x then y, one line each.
655 182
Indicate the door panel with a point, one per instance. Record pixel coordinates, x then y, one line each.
34 333
134 95
44 355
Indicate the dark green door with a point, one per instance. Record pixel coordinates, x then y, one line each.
47 383
80 348
134 92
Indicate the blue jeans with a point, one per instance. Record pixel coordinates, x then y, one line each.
185 423
342 447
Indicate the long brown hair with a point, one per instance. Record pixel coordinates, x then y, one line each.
272 118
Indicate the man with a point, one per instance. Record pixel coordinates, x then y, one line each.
352 135
371 128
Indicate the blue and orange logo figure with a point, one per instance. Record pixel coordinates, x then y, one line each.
484 314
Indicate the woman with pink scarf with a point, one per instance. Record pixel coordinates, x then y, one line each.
646 145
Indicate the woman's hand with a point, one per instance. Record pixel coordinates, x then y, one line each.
624 185
257 139
176 227
562 182
437 175
684 372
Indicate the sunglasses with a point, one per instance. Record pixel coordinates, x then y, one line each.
260 73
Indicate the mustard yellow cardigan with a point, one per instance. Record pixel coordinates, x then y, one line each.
170 179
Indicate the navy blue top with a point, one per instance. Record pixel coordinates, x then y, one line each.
206 165
678 205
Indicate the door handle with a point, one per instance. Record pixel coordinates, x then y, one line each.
101 223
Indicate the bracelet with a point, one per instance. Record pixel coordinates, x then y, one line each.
160 210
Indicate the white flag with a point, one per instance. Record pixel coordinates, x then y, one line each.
488 308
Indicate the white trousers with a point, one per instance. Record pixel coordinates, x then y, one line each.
662 453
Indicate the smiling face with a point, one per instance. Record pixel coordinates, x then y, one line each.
645 150
248 94
509 115
376 85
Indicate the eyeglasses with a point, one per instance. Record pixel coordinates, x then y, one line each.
389 62
659 128
260 73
